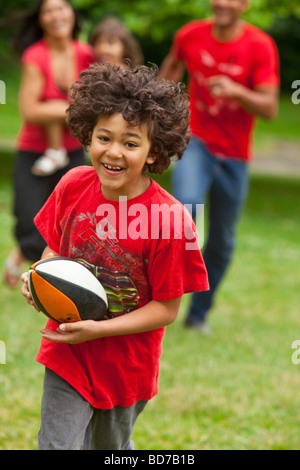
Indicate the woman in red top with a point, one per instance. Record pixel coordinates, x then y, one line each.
52 60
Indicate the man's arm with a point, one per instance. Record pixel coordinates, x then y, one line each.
172 69
262 101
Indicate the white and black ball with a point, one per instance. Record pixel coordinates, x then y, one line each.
67 291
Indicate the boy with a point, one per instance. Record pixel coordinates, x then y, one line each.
99 375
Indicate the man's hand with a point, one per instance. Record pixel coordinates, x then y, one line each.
262 101
222 86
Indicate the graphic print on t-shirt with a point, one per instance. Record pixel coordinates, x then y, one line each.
122 294
88 244
209 66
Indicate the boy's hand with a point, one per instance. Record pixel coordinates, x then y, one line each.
24 278
73 333
25 291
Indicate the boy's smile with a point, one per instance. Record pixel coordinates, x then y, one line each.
119 153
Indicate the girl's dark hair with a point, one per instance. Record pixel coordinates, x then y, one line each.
112 28
31 31
141 96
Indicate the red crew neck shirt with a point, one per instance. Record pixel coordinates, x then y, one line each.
251 60
124 369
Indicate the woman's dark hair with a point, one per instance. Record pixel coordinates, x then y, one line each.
112 28
141 96
31 31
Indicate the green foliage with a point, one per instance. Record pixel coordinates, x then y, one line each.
286 33
144 18
155 23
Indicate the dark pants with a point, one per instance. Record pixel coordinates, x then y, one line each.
225 181
31 192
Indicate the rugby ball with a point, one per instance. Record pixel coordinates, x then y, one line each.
66 291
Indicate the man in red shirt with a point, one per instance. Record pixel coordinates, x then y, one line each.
233 78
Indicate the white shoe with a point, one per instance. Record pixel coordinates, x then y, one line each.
200 326
50 162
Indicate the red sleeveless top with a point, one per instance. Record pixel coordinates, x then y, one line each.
32 137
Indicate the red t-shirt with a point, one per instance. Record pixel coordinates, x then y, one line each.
251 59
78 222
32 137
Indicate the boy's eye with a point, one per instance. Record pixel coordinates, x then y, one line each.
131 144
103 138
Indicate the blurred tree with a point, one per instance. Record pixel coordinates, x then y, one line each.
154 23
286 33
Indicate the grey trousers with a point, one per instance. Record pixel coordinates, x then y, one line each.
69 422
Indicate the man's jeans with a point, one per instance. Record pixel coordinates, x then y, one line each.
225 181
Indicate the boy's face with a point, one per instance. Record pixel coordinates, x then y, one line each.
108 50
119 153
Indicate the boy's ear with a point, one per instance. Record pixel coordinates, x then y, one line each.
151 158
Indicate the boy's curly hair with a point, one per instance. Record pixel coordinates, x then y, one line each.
141 96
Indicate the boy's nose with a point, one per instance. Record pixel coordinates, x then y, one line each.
114 151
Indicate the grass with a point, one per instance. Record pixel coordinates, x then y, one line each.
19 329
9 113
285 126
236 389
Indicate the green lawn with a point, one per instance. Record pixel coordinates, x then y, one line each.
237 389
285 126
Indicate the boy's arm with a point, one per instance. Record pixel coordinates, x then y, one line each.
151 316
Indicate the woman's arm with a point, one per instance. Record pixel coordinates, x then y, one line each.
172 69
33 110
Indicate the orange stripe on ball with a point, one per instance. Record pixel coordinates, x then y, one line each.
64 310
